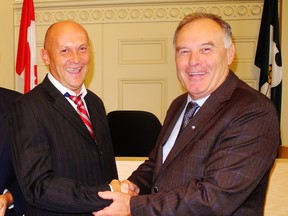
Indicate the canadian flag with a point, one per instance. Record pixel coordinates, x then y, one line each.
26 55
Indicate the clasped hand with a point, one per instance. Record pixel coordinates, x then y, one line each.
121 195
5 200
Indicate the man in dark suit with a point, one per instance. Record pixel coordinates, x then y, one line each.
59 164
7 176
219 164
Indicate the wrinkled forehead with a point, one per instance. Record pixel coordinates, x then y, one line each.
202 29
205 24
64 31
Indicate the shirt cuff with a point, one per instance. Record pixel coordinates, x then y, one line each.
12 205
111 189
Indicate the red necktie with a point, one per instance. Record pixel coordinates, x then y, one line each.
82 112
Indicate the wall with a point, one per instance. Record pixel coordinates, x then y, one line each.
284 46
133 63
7 75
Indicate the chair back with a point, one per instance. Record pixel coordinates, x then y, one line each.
134 132
283 152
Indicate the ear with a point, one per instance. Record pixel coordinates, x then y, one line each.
231 53
45 56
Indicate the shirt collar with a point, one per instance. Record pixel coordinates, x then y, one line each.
63 89
200 102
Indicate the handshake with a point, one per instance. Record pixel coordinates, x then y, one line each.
121 195
124 186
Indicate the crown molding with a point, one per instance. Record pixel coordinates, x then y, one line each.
112 11
47 3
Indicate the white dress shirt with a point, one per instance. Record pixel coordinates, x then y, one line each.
64 90
174 134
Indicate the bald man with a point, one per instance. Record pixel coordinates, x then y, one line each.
60 162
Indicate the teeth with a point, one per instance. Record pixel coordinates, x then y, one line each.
73 69
196 73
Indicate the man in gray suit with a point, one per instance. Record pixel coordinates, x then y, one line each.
59 165
219 164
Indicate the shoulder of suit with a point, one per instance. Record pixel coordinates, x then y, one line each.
8 95
92 95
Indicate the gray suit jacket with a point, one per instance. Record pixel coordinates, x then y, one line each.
218 167
60 168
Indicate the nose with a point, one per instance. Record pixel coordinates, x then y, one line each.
75 57
194 59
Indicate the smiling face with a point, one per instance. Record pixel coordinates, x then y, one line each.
202 61
67 53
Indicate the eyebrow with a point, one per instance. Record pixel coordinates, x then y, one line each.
209 43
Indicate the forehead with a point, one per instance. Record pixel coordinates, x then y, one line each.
64 33
201 31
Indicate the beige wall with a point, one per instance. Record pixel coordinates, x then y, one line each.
118 76
284 46
7 74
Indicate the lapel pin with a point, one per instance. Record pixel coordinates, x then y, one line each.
193 127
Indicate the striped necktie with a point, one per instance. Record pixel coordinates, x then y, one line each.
82 112
189 113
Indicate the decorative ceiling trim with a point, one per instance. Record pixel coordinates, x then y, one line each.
170 12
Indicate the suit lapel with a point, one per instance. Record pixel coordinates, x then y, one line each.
199 123
194 128
61 105
168 125
96 119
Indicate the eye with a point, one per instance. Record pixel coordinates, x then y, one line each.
83 49
64 51
183 51
206 50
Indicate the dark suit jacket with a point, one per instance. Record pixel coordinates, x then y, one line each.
7 176
218 167
59 166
